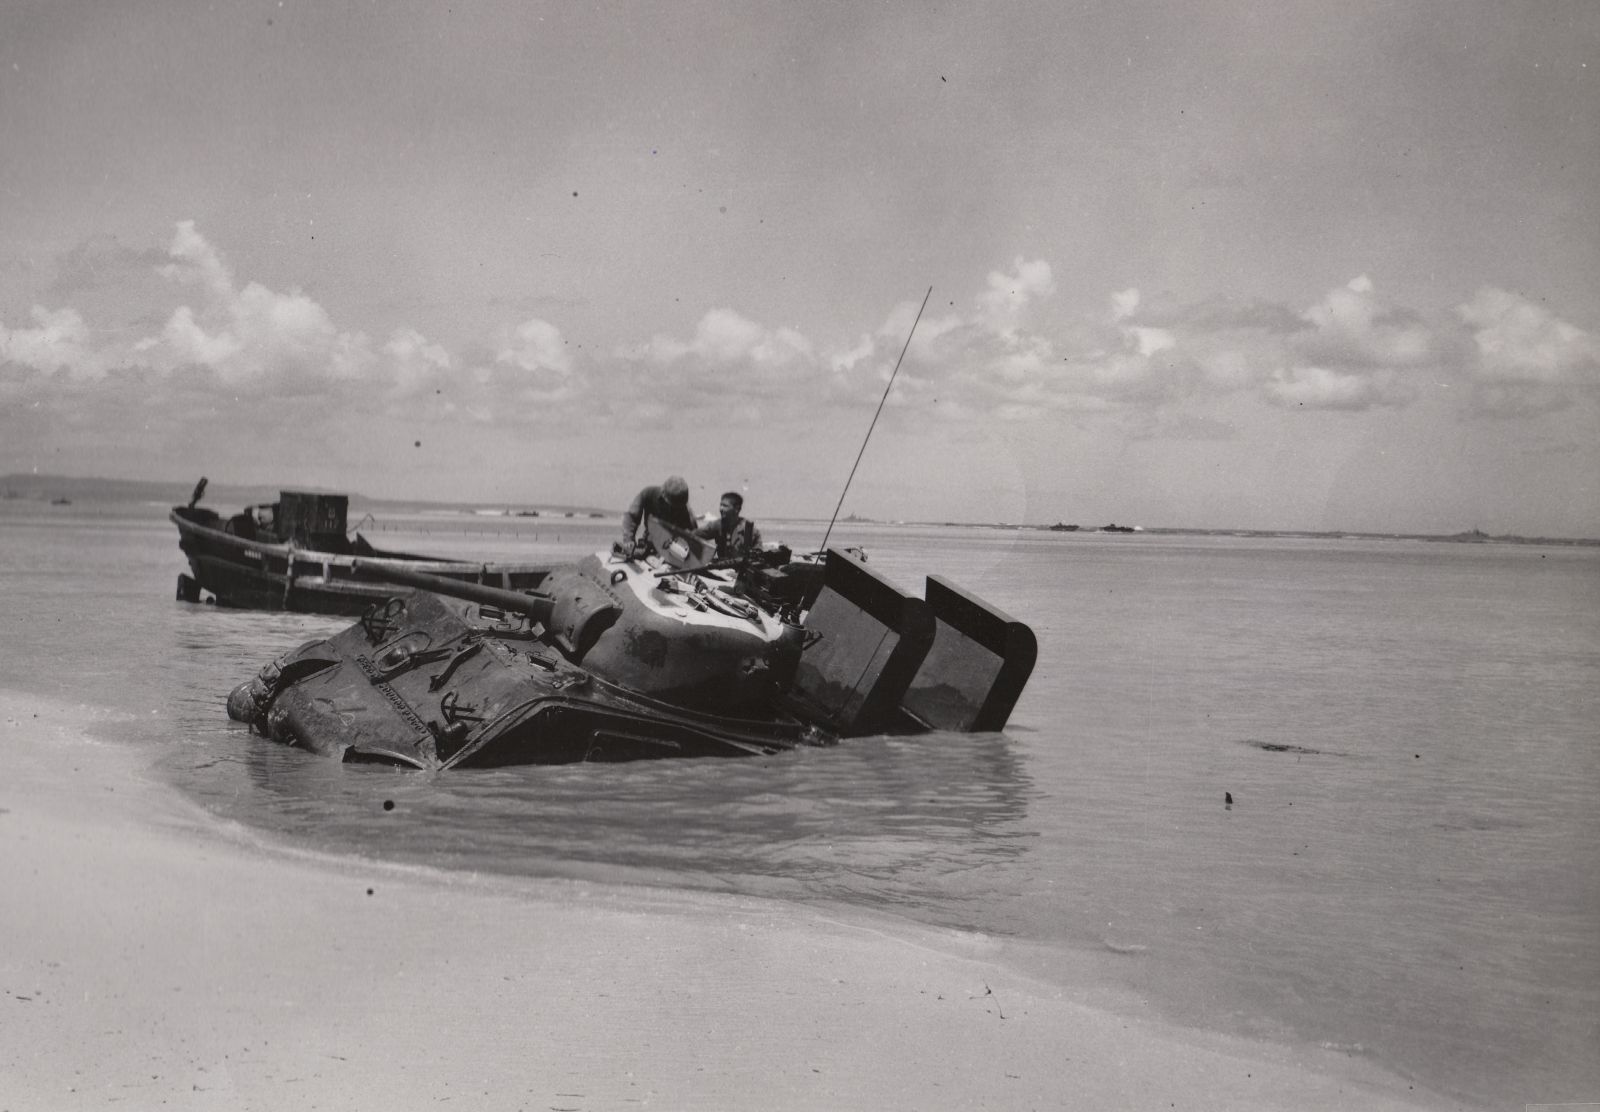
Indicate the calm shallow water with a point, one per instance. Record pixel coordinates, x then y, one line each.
1408 731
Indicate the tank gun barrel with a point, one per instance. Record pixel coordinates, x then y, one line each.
539 607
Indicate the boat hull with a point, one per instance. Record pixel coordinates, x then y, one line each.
252 573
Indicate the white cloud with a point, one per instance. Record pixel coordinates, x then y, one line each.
984 360
534 367
1518 341
249 338
1322 388
187 342
723 336
413 362
1002 304
1353 328
726 341
726 338
537 346
58 339
251 335
409 345
195 261
746 371
841 362
1124 304
994 357
1349 350
1151 341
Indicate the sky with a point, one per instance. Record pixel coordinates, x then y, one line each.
1261 265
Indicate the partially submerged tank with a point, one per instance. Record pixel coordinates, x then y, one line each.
619 658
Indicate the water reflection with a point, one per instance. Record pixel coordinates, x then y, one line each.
916 824
1427 861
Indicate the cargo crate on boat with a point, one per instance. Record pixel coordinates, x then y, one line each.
312 520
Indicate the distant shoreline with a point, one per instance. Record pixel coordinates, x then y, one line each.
1470 537
64 490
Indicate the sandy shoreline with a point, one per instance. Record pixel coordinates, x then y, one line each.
153 961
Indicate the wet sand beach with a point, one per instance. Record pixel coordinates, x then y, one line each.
156 959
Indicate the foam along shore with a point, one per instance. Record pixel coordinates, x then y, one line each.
155 960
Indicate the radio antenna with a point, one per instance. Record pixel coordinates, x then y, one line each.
874 424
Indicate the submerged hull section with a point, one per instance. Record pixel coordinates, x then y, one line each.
428 682
620 659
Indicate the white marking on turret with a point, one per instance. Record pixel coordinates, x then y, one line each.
650 589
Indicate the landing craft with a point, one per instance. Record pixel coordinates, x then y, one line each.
297 554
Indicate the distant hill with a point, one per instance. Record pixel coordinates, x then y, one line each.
226 497
1473 537
46 487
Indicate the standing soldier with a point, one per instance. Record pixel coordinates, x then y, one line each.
668 503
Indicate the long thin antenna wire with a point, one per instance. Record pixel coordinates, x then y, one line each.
875 416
